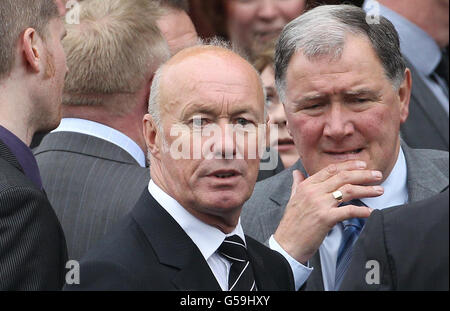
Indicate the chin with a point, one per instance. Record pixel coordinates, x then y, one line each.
49 126
227 202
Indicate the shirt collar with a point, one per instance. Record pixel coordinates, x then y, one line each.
395 187
416 45
207 238
23 155
104 132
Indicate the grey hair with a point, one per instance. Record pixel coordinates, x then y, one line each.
322 32
154 100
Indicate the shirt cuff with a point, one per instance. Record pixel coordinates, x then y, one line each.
300 272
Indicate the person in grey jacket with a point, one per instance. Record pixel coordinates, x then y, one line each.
94 164
346 92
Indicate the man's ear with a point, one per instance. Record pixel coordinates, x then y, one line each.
32 46
404 96
152 135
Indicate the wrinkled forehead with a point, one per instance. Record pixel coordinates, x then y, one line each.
210 72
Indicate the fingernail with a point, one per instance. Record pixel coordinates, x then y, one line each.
378 189
361 164
377 174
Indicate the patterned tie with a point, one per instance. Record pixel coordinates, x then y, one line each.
241 274
352 229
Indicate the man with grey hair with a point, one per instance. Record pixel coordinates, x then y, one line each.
93 165
346 90
184 233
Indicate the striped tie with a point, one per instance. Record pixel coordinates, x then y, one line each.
352 229
241 274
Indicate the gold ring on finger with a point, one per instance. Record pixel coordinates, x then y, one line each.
337 195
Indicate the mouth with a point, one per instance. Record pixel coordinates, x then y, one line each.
354 151
224 174
285 144
267 35
345 155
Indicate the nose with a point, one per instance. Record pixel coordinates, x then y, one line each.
267 9
338 124
277 115
224 145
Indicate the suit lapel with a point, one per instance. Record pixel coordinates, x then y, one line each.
196 275
173 246
262 279
424 178
282 192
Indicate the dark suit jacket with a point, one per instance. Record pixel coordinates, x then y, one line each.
427 123
33 250
91 183
409 243
148 250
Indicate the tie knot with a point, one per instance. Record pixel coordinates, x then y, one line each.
234 249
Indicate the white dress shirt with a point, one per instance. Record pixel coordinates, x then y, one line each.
104 132
395 193
207 238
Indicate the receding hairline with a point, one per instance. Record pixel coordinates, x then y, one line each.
195 51
333 56
201 53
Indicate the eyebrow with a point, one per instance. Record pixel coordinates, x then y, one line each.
306 99
198 108
240 111
362 92
346 93
195 109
